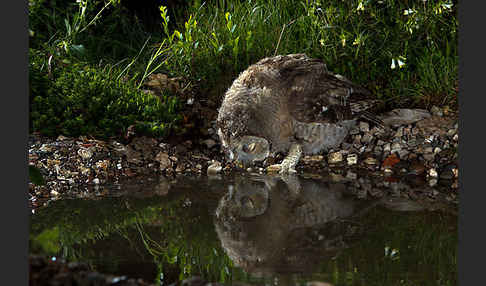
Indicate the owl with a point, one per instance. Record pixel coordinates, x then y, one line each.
290 104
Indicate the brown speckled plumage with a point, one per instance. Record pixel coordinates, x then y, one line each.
286 99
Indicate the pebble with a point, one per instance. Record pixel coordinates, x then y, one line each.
429 157
45 148
214 168
387 147
367 138
395 147
275 168
402 153
378 150
390 161
313 159
455 171
432 173
180 168
335 157
364 126
436 111
85 153
429 150
371 161
164 161
352 159
430 139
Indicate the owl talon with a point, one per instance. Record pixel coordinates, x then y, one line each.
289 163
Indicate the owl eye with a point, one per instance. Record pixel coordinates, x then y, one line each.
248 148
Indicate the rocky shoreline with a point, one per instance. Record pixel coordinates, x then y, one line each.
426 149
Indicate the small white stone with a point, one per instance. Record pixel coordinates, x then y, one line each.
433 173
387 147
96 181
429 139
352 159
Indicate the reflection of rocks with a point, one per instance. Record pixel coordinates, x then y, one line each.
273 224
57 272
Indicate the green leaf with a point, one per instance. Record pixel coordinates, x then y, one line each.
35 176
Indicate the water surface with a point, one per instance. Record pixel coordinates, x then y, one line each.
260 230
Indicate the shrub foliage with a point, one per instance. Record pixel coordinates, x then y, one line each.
79 99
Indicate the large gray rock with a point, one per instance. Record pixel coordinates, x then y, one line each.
404 116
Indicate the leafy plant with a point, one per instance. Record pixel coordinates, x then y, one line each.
81 99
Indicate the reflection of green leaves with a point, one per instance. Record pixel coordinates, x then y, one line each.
48 241
35 176
418 247
180 243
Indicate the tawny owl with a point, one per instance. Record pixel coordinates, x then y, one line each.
289 103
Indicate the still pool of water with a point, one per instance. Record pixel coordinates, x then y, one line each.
260 230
